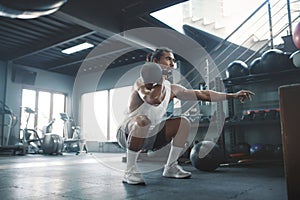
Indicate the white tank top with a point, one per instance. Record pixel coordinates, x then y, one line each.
155 113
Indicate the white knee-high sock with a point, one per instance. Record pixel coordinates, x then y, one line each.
131 158
174 154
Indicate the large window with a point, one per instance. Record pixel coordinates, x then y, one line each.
46 106
102 112
118 107
94 116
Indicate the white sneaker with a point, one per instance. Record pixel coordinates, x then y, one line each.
133 177
175 171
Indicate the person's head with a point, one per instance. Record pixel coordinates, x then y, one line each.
151 74
163 56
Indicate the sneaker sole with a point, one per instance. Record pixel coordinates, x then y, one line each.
178 177
133 183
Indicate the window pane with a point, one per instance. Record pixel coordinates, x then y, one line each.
119 98
94 109
58 107
28 100
44 100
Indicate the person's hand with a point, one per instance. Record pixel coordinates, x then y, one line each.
145 90
244 94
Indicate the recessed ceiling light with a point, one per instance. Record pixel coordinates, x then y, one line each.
77 48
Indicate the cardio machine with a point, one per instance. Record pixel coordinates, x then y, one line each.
8 121
49 143
75 143
30 137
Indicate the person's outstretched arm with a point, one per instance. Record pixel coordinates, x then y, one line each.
183 93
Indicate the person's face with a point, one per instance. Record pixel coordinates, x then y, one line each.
167 61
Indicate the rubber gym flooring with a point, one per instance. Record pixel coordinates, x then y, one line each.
99 176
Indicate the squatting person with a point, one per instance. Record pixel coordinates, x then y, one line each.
148 127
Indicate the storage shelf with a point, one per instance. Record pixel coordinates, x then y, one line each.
234 126
252 122
255 78
237 123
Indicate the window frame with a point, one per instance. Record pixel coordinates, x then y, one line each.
50 117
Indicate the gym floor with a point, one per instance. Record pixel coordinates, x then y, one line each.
99 175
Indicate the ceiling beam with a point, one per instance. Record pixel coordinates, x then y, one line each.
74 34
93 15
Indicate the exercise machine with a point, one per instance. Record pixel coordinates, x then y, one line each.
49 143
30 137
74 143
8 121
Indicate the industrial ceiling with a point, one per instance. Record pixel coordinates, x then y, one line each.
38 42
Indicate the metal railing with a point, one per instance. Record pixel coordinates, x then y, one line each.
274 14
272 20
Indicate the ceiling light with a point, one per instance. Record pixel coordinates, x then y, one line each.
77 48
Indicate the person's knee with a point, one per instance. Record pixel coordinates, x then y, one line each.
139 126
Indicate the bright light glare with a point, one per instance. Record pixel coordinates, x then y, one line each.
177 15
77 48
172 16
